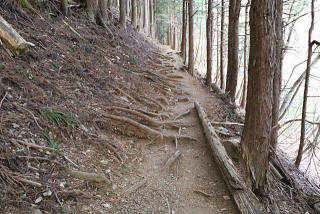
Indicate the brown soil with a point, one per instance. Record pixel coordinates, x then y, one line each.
83 76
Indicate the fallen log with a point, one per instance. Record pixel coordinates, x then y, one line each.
244 198
11 38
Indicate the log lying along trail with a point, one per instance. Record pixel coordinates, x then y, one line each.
11 39
246 201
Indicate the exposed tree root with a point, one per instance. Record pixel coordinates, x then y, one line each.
152 114
146 129
174 76
163 100
123 93
154 102
183 99
143 116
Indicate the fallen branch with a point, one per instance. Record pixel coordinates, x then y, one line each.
27 110
12 39
172 159
31 145
91 177
29 182
135 187
72 29
245 199
4 97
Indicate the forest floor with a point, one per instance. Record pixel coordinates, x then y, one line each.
65 95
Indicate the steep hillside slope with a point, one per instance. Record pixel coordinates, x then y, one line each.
89 120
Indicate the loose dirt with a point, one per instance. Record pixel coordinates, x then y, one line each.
180 188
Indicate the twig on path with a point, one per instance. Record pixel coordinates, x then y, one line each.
203 193
26 181
215 123
135 187
183 114
172 159
167 202
30 112
4 97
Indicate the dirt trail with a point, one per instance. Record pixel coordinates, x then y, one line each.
174 190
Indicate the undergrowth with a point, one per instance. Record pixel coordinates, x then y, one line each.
59 117
50 141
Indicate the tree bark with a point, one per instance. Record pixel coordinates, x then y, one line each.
245 72
244 198
123 14
209 42
184 31
222 81
151 18
306 88
233 47
134 13
262 66
277 76
146 17
102 12
65 7
109 4
11 38
191 45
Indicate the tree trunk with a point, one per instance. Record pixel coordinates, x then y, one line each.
245 72
209 42
102 13
109 4
151 24
191 45
123 14
262 66
90 10
65 7
146 17
217 69
233 47
277 76
306 88
134 13
184 31
222 81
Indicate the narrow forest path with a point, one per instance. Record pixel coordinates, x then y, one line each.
180 188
